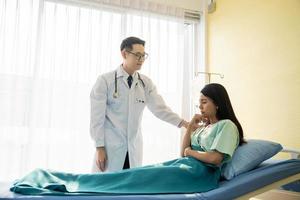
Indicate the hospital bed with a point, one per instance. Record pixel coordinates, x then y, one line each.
268 175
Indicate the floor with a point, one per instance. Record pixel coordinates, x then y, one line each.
277 194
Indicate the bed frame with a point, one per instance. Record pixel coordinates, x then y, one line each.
271 175
294 154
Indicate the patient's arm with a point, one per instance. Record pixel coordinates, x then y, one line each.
212 157
192 126
186 142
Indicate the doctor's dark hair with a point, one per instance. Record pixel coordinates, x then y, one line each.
218 94
128 42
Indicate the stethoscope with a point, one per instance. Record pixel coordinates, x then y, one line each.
115 94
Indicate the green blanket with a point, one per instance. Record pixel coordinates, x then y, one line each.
183 175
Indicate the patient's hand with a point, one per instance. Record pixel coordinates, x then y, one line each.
187 151
194 124
101 158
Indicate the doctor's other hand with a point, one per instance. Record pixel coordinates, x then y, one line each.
101 158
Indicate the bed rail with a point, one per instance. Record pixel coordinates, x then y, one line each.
294 153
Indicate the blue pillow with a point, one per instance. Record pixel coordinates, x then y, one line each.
248 156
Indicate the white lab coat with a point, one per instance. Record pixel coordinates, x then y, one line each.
116 122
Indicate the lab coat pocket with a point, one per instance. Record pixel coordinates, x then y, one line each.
139 95
139 101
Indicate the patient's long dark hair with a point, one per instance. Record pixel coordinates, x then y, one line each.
218 94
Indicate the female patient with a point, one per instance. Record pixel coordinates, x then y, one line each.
209 142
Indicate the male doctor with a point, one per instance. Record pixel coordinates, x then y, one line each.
118 99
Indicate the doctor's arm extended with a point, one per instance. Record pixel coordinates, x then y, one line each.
212 157
98 98
158 107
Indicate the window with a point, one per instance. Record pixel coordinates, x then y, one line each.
50 56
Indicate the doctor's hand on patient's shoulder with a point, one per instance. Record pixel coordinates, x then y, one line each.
194 123
101 158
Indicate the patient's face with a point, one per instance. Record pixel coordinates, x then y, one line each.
207 106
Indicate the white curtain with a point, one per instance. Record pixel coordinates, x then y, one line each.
51 53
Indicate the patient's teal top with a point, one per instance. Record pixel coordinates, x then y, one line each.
182 175
222 136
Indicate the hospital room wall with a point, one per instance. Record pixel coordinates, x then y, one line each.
256 45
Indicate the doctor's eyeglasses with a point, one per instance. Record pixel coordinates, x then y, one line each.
139 56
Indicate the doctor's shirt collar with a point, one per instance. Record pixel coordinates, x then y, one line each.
122 72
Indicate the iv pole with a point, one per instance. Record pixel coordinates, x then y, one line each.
209 74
